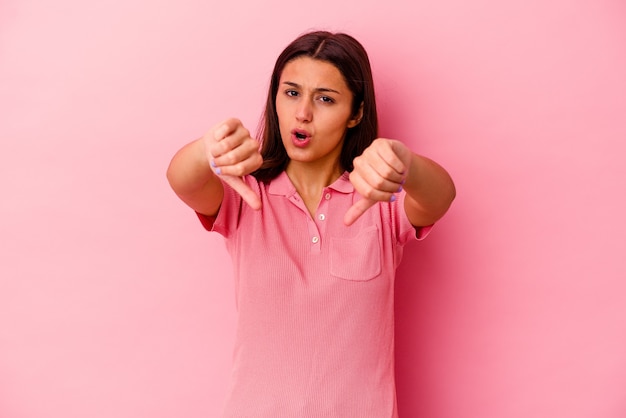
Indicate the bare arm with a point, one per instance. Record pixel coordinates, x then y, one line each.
386 167
225 153
430 191
192 179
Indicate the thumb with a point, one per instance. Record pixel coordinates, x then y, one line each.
246 193
356 210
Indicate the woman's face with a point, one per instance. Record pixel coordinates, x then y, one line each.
314 106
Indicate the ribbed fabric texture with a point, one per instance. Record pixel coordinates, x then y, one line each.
315 333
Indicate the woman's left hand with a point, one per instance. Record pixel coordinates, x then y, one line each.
379 172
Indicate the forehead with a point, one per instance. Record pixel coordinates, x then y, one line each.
313 73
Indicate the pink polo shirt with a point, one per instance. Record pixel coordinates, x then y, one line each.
315 299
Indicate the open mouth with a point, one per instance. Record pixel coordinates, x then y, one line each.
300 137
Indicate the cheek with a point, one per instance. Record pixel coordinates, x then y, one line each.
283 111
280 116
338 124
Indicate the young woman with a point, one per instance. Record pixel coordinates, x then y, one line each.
315 223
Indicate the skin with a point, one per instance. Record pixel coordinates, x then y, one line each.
313 99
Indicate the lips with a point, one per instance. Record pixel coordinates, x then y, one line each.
300 137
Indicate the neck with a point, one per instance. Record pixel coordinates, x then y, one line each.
310 179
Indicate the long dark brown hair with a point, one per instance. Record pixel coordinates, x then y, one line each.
350 58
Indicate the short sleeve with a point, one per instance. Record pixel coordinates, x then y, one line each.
405 231
227 219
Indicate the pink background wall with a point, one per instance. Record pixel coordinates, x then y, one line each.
114 302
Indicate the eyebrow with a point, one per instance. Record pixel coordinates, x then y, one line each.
319 89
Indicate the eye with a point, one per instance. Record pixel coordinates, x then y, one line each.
326 99
291 93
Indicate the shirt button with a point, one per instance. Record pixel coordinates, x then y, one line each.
322 217
315 240
327 196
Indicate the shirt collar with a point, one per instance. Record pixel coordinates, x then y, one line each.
281 185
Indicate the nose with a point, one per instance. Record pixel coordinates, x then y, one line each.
304 111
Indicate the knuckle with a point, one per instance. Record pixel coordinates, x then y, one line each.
232 122
227 159
217 150
379 183
355 178
369 193
251 145
387 172
238 169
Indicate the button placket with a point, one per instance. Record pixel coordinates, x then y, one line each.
314 236
321 215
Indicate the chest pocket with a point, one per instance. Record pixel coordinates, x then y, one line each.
356 258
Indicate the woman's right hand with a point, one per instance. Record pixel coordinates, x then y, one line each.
233 153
